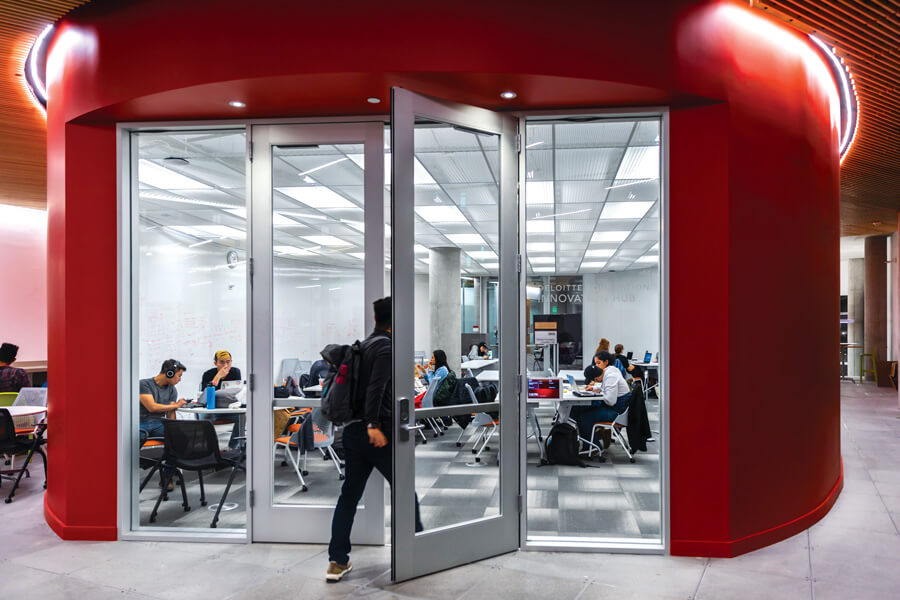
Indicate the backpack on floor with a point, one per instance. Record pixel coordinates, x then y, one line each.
562 445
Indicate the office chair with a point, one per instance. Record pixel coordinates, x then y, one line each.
11 443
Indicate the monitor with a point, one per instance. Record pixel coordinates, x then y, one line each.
647 356
543 387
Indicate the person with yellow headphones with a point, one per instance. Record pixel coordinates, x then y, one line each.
223 371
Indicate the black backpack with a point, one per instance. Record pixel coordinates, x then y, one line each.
339 387
562 445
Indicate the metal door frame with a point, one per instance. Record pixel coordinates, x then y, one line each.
414 555
287 522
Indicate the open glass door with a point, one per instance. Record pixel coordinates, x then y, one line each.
454 217
318 263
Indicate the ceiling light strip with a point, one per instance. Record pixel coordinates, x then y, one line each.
849 98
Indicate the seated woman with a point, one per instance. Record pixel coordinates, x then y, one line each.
223 371
441 381
593 373
631 369
613 400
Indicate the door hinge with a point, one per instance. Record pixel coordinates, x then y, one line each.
518 142
253 499
252 381
519 384
250 266
250 151
518 263
518 502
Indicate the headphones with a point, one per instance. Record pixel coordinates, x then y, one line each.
172 367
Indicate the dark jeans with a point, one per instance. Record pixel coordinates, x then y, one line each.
598 412
151 428
235 430
360 457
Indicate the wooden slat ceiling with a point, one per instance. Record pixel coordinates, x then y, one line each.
866 34
23 148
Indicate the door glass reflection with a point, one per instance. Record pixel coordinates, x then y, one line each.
456 359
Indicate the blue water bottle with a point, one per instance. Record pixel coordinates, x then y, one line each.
210 397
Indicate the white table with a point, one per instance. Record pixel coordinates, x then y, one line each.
479 363
488 376
24 414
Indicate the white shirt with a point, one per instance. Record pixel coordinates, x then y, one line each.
612 386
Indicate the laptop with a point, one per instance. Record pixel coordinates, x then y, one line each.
647 356
576 389
629 355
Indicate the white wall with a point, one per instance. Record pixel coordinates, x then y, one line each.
23 271
623 307
191 305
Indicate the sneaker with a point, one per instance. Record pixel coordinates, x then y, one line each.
336 571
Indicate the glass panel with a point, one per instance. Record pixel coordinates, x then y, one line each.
456 250
592 246
190 260
318 259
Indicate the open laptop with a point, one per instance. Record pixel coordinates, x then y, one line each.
629 355
647 356
578 391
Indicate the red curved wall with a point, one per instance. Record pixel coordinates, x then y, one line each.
753 200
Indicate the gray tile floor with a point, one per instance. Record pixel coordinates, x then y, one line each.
853 553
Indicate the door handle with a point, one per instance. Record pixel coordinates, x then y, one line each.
408 427
403 416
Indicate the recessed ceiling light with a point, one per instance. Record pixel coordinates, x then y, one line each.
466 239
237 104
373 100
599 253
593 265
508 95
441 214
625 210
544 269
609 236
541 260
539 226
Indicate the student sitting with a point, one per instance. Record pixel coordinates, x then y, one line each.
223 371
593 373
613 400
477 351
631 369
441 381
12 379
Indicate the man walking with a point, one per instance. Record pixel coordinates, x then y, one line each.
367 438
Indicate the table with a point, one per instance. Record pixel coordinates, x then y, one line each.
21 412
488 376
313 389
477 364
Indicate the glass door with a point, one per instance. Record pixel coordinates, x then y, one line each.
317 244
454 215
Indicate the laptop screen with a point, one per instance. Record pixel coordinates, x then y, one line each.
629 355
543 387
647 356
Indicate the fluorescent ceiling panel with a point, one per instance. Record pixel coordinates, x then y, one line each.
357 225
540 226
639 162
599 253
541 260
625 210
421 176
593 265
326 240
359 159
481 255
491 265
359 255
544 269
609 236
647 259
211 231
541 247
277 219
154 175
292 250
317 197
466 239
441 214
539 192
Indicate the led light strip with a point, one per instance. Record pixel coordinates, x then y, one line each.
34 77
849 98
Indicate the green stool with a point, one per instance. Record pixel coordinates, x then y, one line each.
873 370
7 398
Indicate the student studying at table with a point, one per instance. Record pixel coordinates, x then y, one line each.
613 400
223 371
159 398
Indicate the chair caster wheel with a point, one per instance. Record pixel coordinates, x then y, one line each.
459 444
187 509
424 441
601 459
632 461
341 477
213 526
477 459
153 519
304 489
284 463
474 451
203 503
304 473
343 465
8 500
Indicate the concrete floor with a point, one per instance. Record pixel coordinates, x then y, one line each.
854 552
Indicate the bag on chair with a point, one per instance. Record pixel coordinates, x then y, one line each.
562 445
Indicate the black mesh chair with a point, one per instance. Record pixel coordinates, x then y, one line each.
194 446
11 444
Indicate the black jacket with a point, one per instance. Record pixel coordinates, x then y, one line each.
638 428
374 392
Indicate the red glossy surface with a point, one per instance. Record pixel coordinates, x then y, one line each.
753 201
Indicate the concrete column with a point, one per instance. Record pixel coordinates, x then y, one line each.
443 295
875 326
478 290
856 282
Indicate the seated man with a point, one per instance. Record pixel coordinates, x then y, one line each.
223 371
159 399
12 379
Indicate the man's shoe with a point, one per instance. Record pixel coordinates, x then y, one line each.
336 571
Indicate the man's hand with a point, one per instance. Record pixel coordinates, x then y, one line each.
377 438
181 402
